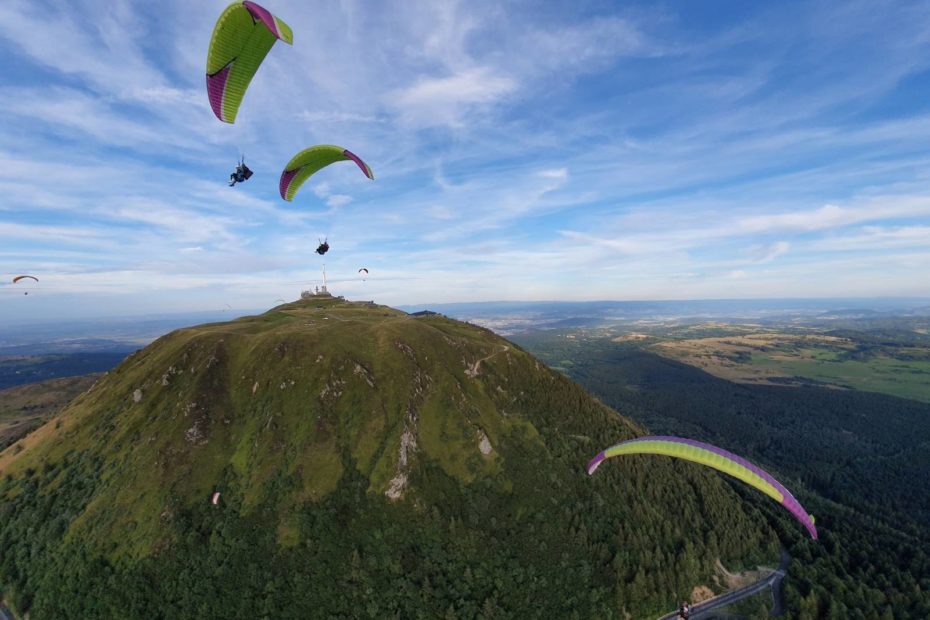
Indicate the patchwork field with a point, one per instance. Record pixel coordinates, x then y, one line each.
795 359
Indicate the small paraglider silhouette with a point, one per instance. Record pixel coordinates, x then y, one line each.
241 174
323 248
366 272
18 278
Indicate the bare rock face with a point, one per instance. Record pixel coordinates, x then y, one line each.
408 445
484 444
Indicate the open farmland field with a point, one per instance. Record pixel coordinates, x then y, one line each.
779 358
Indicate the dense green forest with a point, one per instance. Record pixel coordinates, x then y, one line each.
860 463
105 513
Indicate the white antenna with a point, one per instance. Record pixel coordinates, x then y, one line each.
324 278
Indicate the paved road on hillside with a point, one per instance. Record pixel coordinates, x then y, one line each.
705 610
472 371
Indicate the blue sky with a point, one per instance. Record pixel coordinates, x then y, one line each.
522 150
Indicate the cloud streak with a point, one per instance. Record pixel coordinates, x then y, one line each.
519 151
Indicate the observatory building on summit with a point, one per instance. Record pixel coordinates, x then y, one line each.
319 291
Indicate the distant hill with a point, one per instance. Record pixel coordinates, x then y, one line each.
513 317
25 408
369 463
24 369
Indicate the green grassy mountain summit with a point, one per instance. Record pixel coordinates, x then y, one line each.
370 463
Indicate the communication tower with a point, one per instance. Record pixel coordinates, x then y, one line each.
317 290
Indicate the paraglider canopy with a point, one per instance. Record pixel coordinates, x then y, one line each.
242 37
305 163
719 459
363 269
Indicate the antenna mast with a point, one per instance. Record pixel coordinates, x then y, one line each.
324 278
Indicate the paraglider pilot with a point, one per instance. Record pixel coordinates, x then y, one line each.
324 247
241 174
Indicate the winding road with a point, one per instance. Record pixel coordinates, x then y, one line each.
705 609
472 371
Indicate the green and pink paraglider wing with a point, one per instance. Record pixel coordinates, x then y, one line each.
242 37
307 162
719 459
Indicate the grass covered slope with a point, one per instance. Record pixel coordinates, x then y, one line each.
371 464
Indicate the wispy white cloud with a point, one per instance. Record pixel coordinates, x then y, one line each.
100 47
442 212
337 116
338 200
769 252
447 100
633 153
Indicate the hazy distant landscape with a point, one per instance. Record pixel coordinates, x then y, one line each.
877 344
873 345
41 351
509 317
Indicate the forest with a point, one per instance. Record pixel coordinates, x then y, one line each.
856 459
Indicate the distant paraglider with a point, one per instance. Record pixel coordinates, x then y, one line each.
719 459
215 499
303 165
241 174
18 278
242 37
363 269
323 247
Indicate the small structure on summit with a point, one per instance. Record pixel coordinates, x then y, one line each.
318 291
